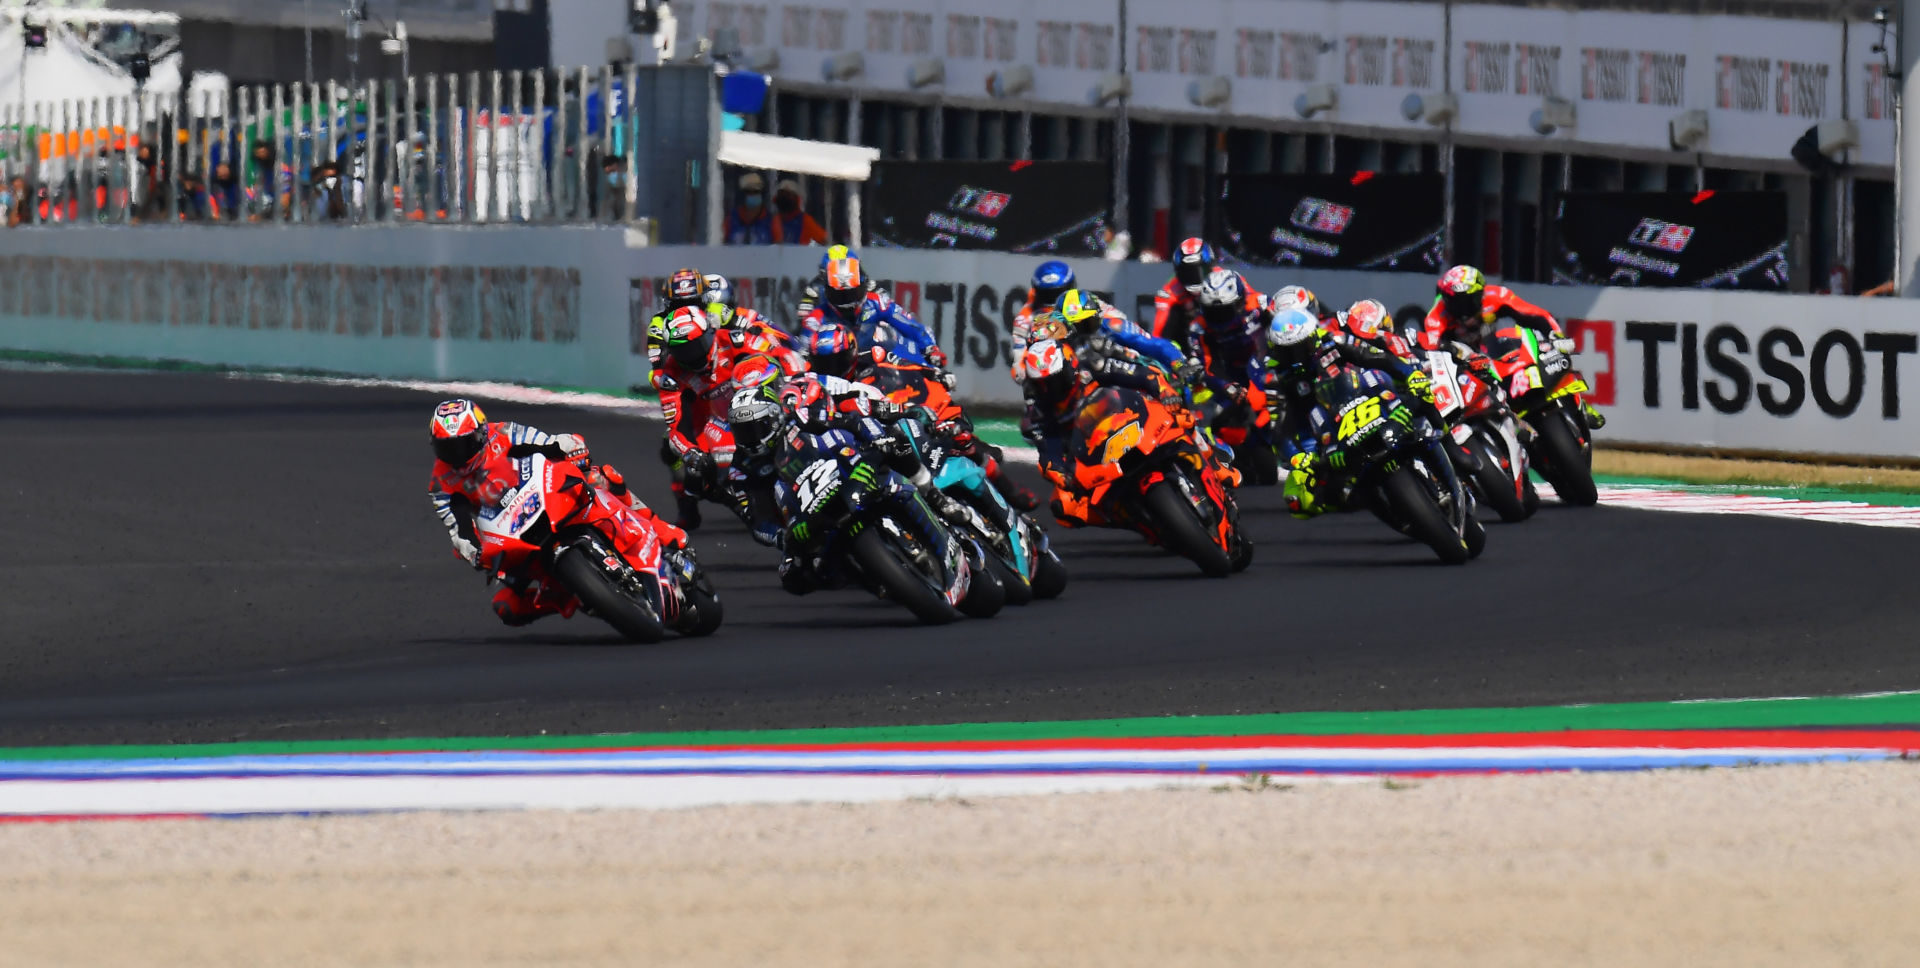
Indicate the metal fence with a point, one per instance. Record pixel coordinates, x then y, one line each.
514 146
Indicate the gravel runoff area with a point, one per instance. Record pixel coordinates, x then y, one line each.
1738 867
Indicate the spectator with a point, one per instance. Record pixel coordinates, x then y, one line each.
612 169
193 197
329 198
153 185
19 199
225 193
792 225
269 179
750 222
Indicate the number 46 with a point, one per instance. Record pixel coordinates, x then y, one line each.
1359 417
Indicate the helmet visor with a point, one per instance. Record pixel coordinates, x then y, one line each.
456 451
1461 305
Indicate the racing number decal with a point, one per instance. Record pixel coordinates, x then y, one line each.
1121 441
819 482
1359 417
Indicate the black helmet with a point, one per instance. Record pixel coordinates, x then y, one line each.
754 416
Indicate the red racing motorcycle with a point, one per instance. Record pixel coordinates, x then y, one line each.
556 527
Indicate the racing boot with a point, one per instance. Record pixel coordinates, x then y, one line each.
1070 509
1595 419
1016 495
689 509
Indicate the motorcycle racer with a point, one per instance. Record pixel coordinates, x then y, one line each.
1228 336
696 367
473 468
1051 280
1173 305
1465 306
849 299
1056 378
831 351
722 305
815 290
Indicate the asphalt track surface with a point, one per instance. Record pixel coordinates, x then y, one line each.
199 558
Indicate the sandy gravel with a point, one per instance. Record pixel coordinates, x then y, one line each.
1798 866
1728 470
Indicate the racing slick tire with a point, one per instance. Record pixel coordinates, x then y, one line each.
1496 489
1475 535
1018 592
1568 468
986 593
1181 531
882 563
605 600
1049 576
1425 522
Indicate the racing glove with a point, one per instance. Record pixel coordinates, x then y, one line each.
698 467
937 357
1189 372
572 445
1563 344
1420 385
467 550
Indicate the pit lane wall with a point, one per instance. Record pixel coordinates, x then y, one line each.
544 306
568 306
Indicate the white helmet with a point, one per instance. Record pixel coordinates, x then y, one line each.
1291 327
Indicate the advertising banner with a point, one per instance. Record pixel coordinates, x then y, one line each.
1701 240
1041 206
1362 220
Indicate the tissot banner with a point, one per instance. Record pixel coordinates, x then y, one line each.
1362 220
1022 206
1698 240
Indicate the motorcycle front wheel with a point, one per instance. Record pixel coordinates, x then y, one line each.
1182 532
888 566
1497 488
1414 505
1568 468
604 599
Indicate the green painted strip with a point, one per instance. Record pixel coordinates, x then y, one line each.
1863 494
1873 710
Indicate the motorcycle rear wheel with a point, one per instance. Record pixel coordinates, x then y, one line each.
1497 490
605 600
1182 532
882 563
1413 505
1568 468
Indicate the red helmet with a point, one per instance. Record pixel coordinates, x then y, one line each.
1368 319
831 349
459 431
805 399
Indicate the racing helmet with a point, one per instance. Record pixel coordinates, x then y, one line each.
459 431
1460 289
1050 280
685 287
1191 262
754 415
1080 309
718 290
804 399
1291 332
690 337
831 349
1047 369
836 252
1297 297
846 287
1368 319
1221 297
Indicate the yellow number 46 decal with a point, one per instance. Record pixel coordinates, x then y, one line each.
1353 420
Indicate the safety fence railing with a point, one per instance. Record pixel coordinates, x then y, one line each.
477 147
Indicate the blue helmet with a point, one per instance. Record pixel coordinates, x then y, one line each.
1051 280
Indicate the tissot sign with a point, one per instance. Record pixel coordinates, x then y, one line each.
1748 371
